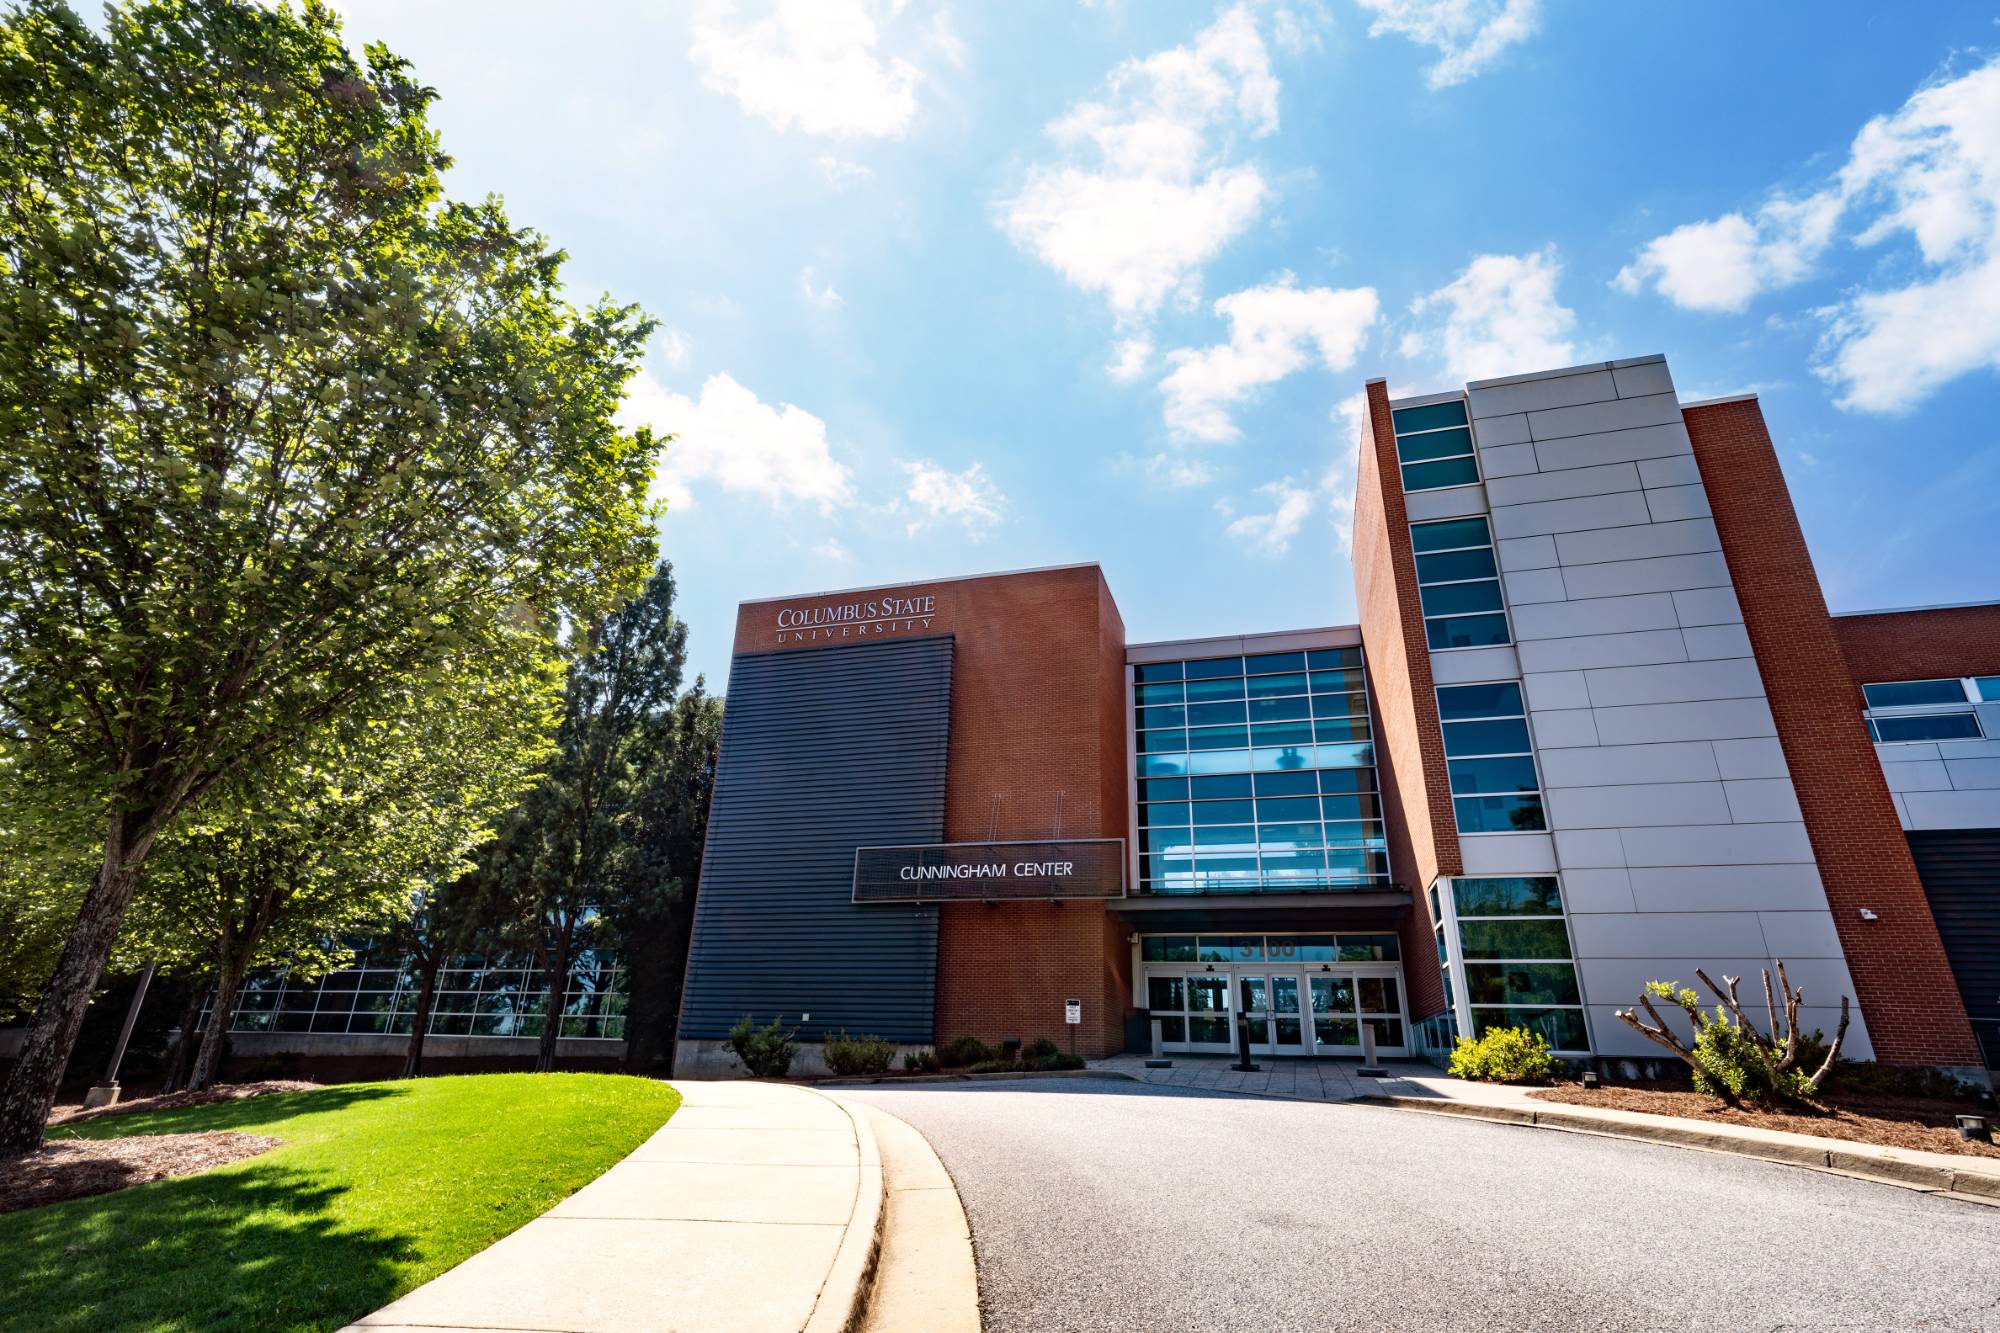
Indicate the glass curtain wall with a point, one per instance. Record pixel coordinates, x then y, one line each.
1257 775
476 996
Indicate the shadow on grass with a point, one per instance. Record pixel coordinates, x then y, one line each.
246 1114
246 1249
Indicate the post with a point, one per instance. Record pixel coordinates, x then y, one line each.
1243 1065
1369 1069
1158 1059
106 1092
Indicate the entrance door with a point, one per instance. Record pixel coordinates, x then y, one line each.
1343 1001
1271 1002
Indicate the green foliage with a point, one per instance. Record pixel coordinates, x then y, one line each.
377 1188
993 1067
285 435
1730 1063
857 1055
767 1051
920 1062
962 1051
1503 1055
1039 1048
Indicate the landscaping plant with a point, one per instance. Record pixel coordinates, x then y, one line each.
857 1055
960 1052
920 1062
1730 1058
767 1051
1503 1055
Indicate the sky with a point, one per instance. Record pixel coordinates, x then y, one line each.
956 287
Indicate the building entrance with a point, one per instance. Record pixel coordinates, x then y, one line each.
1306 1011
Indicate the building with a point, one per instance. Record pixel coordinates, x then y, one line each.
1596 728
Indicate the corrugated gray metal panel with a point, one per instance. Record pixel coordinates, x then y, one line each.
1960 869
823 750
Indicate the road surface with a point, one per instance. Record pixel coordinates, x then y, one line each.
1107 1205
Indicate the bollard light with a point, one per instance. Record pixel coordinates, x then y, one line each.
1590 1079
1974 1129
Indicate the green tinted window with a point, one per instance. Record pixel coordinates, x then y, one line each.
1449 534
1513 939
1437 444
1446 472
1430 416
1524 895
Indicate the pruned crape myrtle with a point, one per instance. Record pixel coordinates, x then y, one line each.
285 435
1730 1058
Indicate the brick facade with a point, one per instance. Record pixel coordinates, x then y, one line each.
1905 985
1409 742
1038 746
1920 645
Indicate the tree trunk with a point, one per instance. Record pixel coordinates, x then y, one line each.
180 1063
31 1088
413 1059
228 981
558 985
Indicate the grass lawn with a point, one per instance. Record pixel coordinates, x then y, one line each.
379 1187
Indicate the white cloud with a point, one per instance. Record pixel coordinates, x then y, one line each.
1181 471
810 65
1130 359
842 174
936 497
674 348
823 296
1291 503
1272 531
1273 331
832 551
1149 190
1499 317
1720 264
731 439
1467 34
1929 170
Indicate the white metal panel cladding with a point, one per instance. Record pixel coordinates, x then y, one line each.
1081 868
824 750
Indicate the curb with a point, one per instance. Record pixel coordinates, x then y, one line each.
904 1080
1970 1186
845 1292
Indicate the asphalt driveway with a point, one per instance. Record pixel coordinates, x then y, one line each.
1103 1204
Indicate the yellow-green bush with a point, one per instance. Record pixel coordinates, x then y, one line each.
1503 1055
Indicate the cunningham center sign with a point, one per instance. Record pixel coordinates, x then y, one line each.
860 619
990 871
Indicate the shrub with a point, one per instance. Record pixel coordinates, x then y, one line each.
1731 1064
857 1055
993 1067
962 1051
1503 1055
767 1051
1866 1076
921 1062
1041 1048
1729 1058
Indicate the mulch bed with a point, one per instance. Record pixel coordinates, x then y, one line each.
1895 1122
174 1101
78 1168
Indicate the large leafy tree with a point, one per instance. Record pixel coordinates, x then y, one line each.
572 845
283 432
370 813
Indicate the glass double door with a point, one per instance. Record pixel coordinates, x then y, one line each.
1290 1011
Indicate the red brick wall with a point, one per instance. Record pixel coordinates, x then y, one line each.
1919 645
1037 736
1409 744
1905 985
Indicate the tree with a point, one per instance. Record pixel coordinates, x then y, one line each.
651 913
571 844
441 921
283 433
371 812
1730 1058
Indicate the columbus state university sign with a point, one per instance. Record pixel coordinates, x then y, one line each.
862 618
990 871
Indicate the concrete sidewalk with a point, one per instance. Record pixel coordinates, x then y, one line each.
757 1208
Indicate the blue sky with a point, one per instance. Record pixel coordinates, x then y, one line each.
955 287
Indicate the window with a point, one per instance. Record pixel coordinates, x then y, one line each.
1489 759
1257 774
1514 947
1904 711
1459 584
476 996
1434 446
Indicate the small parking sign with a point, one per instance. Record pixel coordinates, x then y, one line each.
1072 1012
